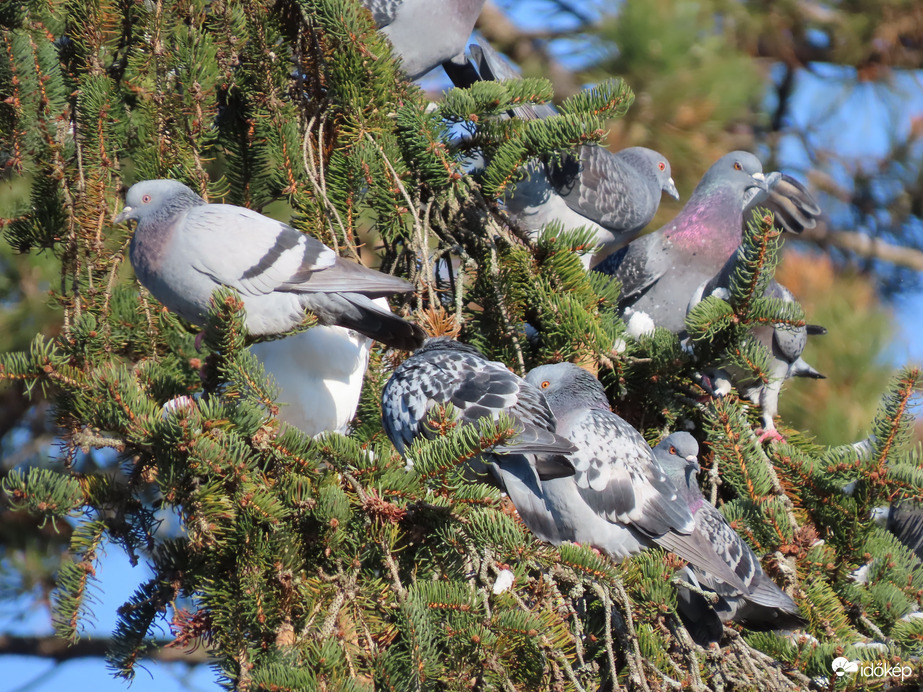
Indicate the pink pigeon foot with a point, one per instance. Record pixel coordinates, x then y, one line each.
768 434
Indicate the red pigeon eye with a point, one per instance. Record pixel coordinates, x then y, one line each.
662 166
546 384
673 450
737 166
145 199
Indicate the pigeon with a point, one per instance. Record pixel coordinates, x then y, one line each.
905 521
426 33
319 373
660 271
184 248
766 606
619 500
446 372
614 194
784 344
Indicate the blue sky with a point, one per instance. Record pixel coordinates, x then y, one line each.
118 579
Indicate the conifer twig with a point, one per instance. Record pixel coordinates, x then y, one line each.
344 591
84 439
418 231
627 628
314 172
709 596
494 271
607 633
688 649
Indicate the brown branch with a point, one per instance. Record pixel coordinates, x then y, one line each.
59 650
864 246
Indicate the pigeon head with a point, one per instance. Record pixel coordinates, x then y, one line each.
678 456
151 198
739 172
567 386
656 162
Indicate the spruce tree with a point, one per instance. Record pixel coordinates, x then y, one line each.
331 563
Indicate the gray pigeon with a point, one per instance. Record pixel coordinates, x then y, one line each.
426 33
183 249
616 194
619 499
905 521
784 344
660 271
448 372
766 606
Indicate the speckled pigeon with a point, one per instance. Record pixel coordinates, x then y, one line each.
619 500
183 249
448 372
766 606
616 194
784 344
426 33
660 271
319 373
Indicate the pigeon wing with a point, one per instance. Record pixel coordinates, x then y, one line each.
605 188
730 547
617 476
476 388
795 209
383 11
636 266
214 234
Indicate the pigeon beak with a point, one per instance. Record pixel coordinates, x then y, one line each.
124 215
670 189
694 462
760 182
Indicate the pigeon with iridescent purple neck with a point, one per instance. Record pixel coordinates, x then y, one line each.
660 271
766 606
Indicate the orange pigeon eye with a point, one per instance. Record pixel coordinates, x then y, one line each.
546 384
737 166
662 166
673 450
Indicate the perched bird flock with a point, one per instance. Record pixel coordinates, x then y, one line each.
574 470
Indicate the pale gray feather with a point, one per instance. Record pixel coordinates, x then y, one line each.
425 33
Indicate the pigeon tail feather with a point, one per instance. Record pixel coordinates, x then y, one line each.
357 312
